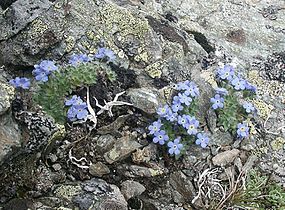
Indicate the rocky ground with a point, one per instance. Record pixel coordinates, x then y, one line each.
157 43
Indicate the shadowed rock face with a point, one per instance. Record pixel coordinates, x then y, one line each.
6 3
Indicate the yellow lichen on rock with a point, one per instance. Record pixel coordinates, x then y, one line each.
37 28
70 43
266 87
114 18
278 143
67 191
263 109
155 70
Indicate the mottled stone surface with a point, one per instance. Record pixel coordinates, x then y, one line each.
10 135
123 148
226 157
6 95
131 189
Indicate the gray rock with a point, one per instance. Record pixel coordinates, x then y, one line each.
183 189
19 14
98 169
113 127
98 194
56 166
123 147
220 138
227 24
131 189
226 157
144 99
146 154
10 135
134 171
105 142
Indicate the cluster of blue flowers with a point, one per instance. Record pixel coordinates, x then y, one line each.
46 67
177 117
43 70
41 73
77 110
20 82
228 78
102 53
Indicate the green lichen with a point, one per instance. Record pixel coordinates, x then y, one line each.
123 20
67 191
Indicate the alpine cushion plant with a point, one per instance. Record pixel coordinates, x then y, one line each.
51 94
231 113
177 126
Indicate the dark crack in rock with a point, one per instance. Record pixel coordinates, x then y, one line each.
168 32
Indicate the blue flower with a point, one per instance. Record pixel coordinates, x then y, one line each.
171 116
248 107
75 100
103 53
76 59
154 127
71 114
160 137
162 111
192 126
174 147
19 82
183 85
238 83
176 105
192 90
42 70
249 86
217 102
243 130
47 65
222 91
227 72
81 112
183 120
41 74
184 99
202 140
77 111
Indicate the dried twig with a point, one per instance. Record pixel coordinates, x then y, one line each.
109 105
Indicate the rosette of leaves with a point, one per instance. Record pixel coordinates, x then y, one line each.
51 95
260 193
